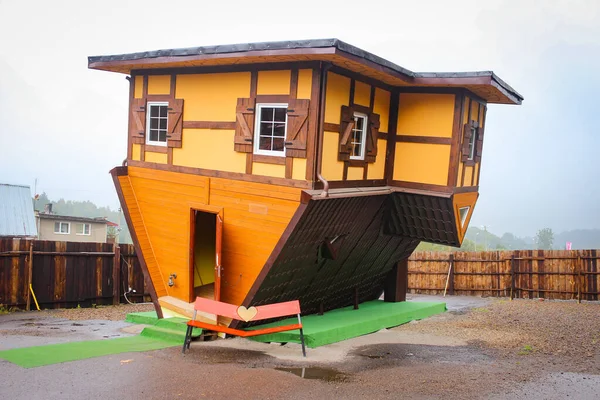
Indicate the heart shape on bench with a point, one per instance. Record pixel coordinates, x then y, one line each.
247 313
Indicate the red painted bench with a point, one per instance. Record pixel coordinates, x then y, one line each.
240 313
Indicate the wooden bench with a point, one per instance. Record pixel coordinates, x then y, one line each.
242 313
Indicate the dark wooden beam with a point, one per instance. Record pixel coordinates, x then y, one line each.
396 283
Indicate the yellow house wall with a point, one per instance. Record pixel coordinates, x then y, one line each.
337 94
304 83
199 150
421 114
355 173
264 169
138 87
362 94
423 163
159 84
212 97
381 106
474 113
377 169
160 158
136 151
299 168
274 82
331 168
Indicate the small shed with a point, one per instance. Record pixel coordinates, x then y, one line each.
16 212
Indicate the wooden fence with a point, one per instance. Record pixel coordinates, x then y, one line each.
550 274
68 274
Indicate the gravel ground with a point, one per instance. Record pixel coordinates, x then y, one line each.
109 313
479 349
524 327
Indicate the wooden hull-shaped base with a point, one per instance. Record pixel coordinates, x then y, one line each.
280 243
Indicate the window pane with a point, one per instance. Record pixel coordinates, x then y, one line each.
57 227
278 144
280 114
264 143
163 123
266 114
153 111
87 229
64 227
162 136
359 123
79 229
266 128
163 111
153 123
279 130
153 135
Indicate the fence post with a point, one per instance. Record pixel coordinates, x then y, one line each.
579 283
116 274
512 276
450 279
29 276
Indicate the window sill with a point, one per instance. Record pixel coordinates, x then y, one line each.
279 160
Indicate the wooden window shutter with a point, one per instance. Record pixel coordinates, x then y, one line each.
346 126
297 128
137 128
244 125
372 135
479 145
465 144
175 122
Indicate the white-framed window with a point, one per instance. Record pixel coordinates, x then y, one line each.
472 141
270 129
83 229
62 228
359 137
156 123
462 214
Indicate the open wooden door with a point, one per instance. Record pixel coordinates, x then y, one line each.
218 245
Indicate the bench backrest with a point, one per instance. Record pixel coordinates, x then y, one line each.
250 314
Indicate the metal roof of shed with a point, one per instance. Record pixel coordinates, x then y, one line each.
16 211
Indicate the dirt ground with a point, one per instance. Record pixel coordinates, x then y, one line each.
480 348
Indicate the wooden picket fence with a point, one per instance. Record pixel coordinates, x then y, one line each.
68 274
550 274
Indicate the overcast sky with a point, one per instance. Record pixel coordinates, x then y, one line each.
66 125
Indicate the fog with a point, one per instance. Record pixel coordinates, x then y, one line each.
66 125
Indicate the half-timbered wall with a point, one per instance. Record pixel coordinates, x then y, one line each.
473 114
210 118
343 92
424 138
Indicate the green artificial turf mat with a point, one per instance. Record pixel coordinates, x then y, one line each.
29 357
346 323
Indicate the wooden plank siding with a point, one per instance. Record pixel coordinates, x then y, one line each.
254 215
68 274
550 274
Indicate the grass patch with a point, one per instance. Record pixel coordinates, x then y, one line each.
526 350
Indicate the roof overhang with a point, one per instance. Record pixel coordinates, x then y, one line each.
484 84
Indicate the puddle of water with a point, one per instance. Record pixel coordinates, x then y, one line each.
324 374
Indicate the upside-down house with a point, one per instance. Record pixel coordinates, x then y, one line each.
310 170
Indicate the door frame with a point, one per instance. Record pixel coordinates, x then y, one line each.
192 229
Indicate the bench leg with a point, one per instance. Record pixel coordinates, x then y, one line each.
187 339
302 341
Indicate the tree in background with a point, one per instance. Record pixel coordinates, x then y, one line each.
544 239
